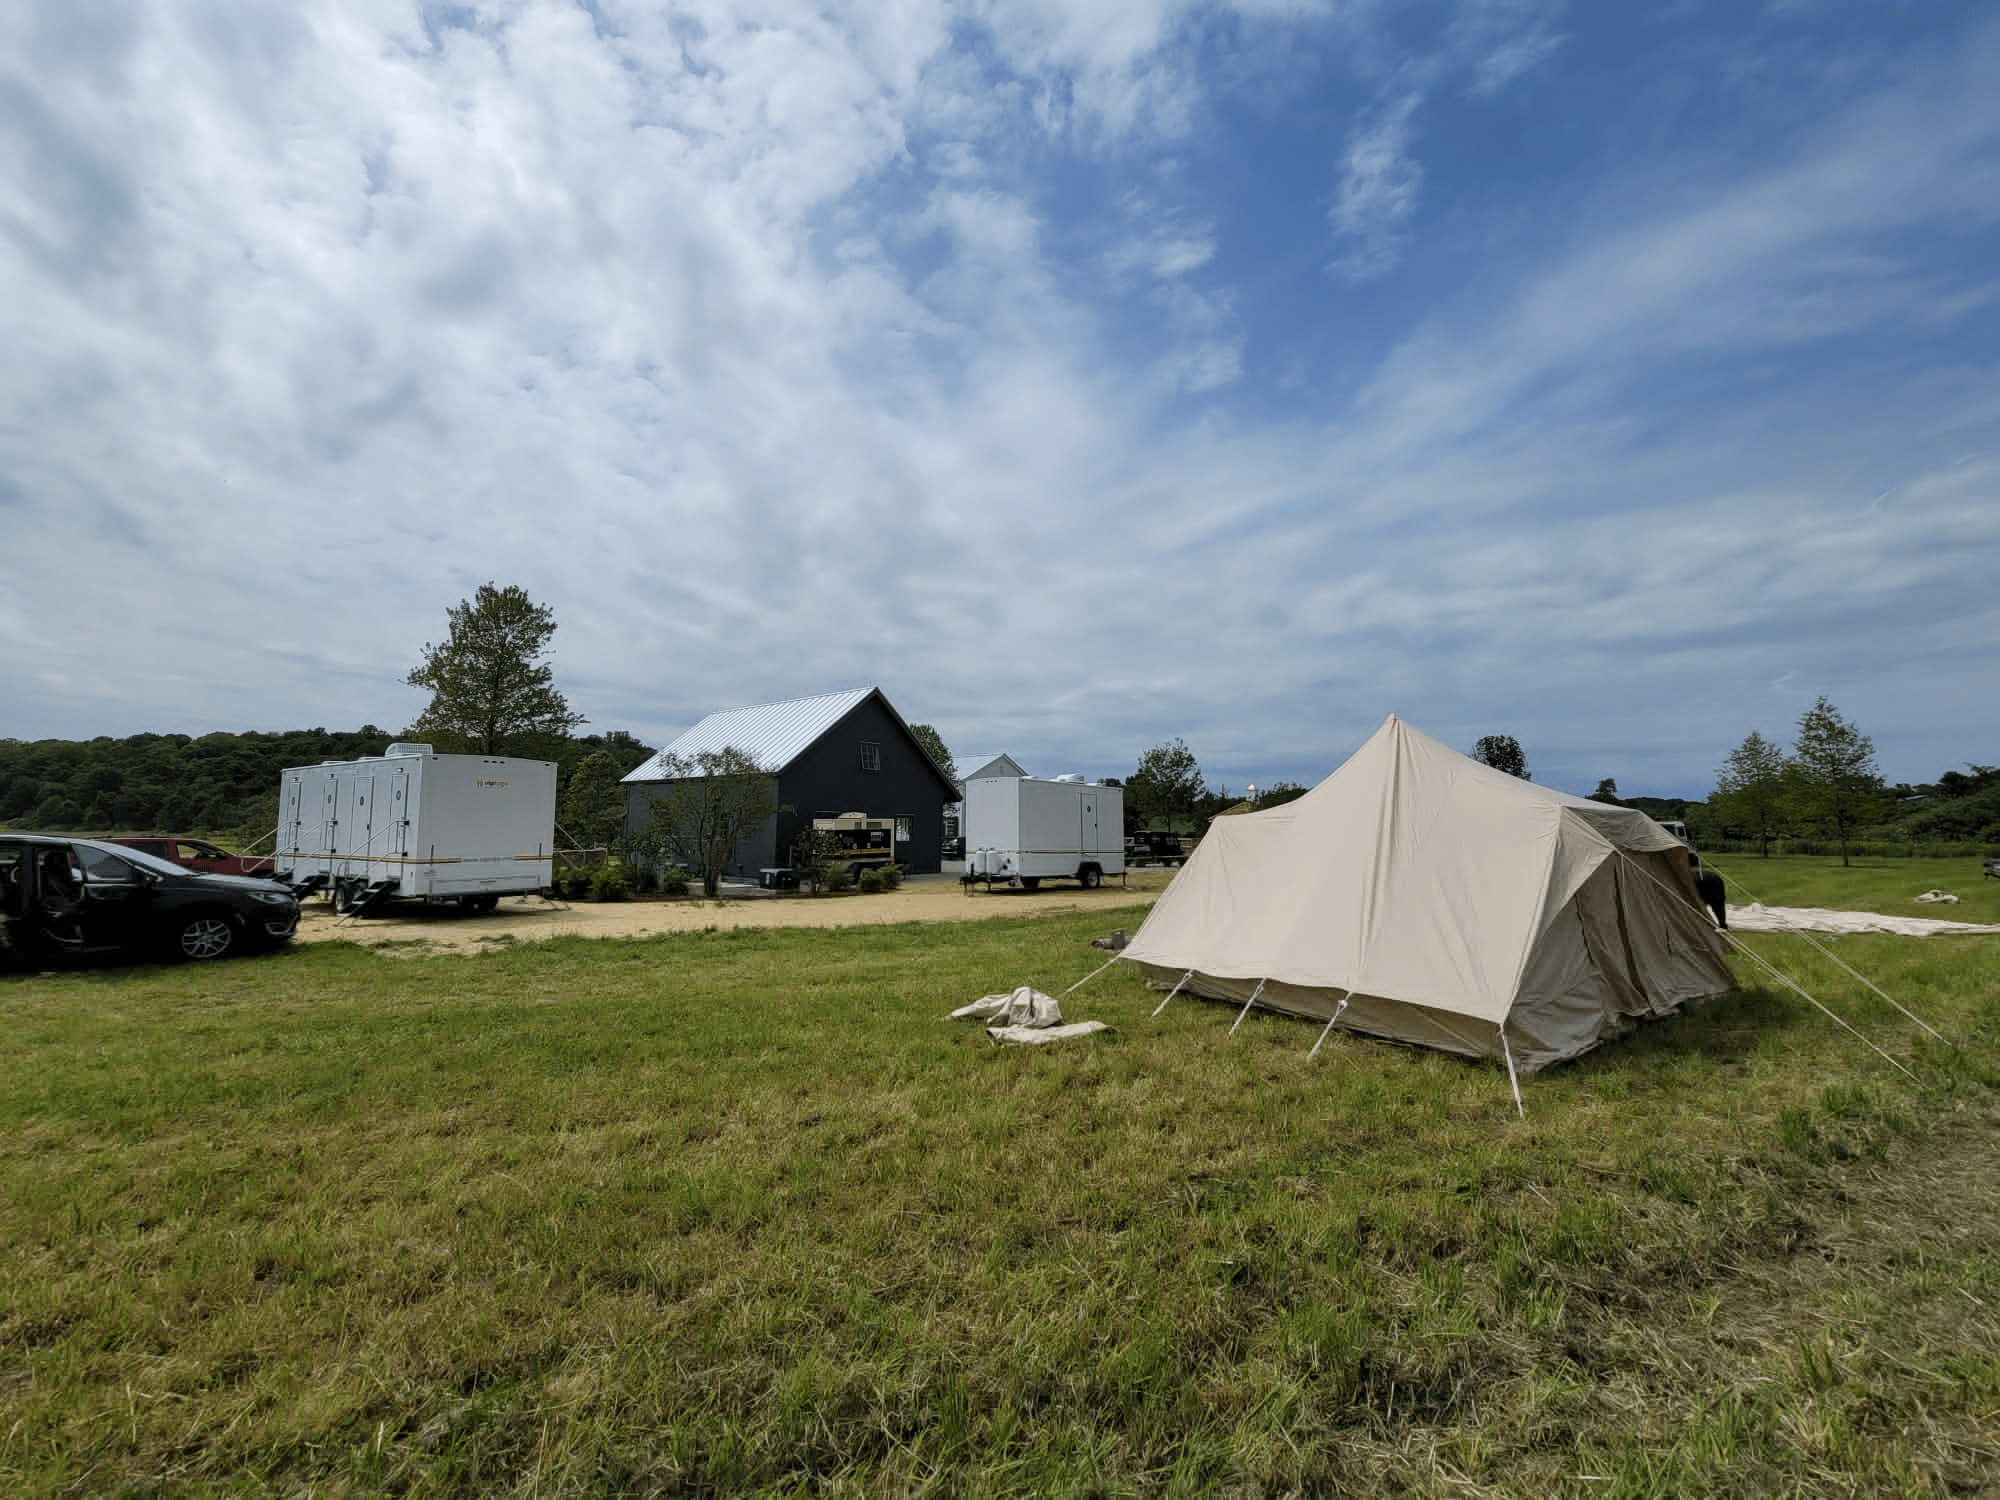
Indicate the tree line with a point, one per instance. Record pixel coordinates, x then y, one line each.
1828 783
220 785
492 692
1825 785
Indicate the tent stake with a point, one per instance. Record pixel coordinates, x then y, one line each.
1246 1006
1512 1077
1330 1025
1173 992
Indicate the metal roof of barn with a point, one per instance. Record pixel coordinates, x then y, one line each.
772 734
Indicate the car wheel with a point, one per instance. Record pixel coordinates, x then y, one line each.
204 937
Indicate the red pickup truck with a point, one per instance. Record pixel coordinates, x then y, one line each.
196 854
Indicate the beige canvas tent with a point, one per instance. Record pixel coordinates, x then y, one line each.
1418 895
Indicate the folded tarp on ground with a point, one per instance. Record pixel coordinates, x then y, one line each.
1025 1015
1759 918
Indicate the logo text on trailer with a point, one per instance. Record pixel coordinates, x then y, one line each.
480 781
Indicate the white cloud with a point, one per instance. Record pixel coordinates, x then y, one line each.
1498 41
1377 195
765 346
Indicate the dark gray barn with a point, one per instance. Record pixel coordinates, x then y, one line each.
836 753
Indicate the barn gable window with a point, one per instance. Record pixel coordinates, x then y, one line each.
871 756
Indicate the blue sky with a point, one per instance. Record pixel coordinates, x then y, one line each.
1618 377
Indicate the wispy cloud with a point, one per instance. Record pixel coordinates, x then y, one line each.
1377 195
937 345
1490 43
1497 41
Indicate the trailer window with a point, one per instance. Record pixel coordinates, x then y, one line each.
871 756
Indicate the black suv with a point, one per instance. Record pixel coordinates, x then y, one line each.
71 898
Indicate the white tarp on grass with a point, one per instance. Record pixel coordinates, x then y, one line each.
1759 918
1025 1015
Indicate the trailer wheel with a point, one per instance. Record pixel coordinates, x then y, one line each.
1031 882
342 896
1089 876
478 906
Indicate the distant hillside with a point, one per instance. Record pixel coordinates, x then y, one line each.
215 784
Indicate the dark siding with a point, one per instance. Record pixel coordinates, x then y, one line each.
757 852
828 778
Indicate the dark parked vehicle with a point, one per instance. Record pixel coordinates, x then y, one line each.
64 898
1154 846
196 854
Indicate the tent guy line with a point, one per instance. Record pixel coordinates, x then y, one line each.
1834 958
1791 984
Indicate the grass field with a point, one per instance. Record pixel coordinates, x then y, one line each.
742 1211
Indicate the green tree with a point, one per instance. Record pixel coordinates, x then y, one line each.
490 690
934 746
1607 791
716 798
1503 753
1278 793
1835 782
1166 785
813 855
1750 789
593 806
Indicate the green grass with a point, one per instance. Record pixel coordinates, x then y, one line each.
1869 883
742 1211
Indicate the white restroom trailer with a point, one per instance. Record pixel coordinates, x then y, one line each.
414 825
1018 828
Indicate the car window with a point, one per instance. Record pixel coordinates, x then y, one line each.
105 867
137 857
188 849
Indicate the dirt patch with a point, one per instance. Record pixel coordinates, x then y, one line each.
526 919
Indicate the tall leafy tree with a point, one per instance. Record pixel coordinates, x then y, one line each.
1750 789
1607 791
717 798
934 746
1166 785
490 689
1503 753
593 805
1835 781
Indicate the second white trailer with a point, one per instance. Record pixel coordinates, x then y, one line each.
414 825
1021 829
